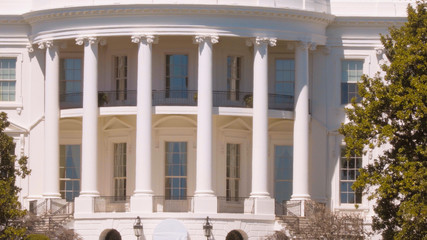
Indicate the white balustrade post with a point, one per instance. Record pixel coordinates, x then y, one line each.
51 147
142 199
205 199
89 188
262 200
300 181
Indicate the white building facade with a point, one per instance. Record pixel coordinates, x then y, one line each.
177 110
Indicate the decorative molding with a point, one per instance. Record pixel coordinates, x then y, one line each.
200 38
307 45
78 12
369 21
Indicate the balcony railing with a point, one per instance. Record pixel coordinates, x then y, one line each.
165 204
178 98
112 204
231 204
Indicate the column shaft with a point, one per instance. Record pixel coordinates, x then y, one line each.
204 119
143 118
90 120
51 166
300 185
260 121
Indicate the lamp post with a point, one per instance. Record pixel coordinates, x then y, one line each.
137 227
207 228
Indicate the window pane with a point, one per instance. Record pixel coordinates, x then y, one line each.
283 167
349 171
284 76
69 171
233 171
351 72
176 170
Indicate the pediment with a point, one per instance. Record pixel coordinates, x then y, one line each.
175 122
281 126
15 128
236 124
117 124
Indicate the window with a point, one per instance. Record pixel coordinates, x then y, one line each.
176 171
69 171
120 171
120 76
233 77
233 172
176 76
351 71
283 169
284 80
71 80
348 174
7 79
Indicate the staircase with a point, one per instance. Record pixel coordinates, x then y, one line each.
50 215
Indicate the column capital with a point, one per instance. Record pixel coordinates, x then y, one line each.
144 38
202 38
91 40
262 41
305 45
30 48
46 44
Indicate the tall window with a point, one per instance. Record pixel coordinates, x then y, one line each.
7 79
176 76
233 77
121 76
349 171
283 169
120 171
70 80
176 171
69 171
352 71
233 172
284 80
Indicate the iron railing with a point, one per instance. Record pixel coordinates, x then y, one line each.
112 204
166 204
178 98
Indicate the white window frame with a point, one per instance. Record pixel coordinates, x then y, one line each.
125 177
234 93
351 56
166 76
180 177
71 179
233 178
61 69
18 81
347 168
120 76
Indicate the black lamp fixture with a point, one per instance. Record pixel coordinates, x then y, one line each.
207 228
137 227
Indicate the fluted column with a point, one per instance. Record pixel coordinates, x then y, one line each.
51 146
90 117
205 200
141 200
260 118
300 182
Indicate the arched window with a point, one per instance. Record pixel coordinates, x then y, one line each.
234 235
113 235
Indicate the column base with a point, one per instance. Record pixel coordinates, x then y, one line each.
84 204
141 203
205 204
51 195
260 205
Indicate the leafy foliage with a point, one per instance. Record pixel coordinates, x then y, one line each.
10 208
392 115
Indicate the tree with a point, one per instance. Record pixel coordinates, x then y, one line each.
322 223
11 213
392 116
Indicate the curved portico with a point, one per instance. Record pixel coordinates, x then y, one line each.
292 29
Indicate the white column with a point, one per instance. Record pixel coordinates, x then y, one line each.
90 118
142 199
51 146
300 181
260 200
260 118
205 200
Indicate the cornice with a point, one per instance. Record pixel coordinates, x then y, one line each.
167 9
368 21
12 19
